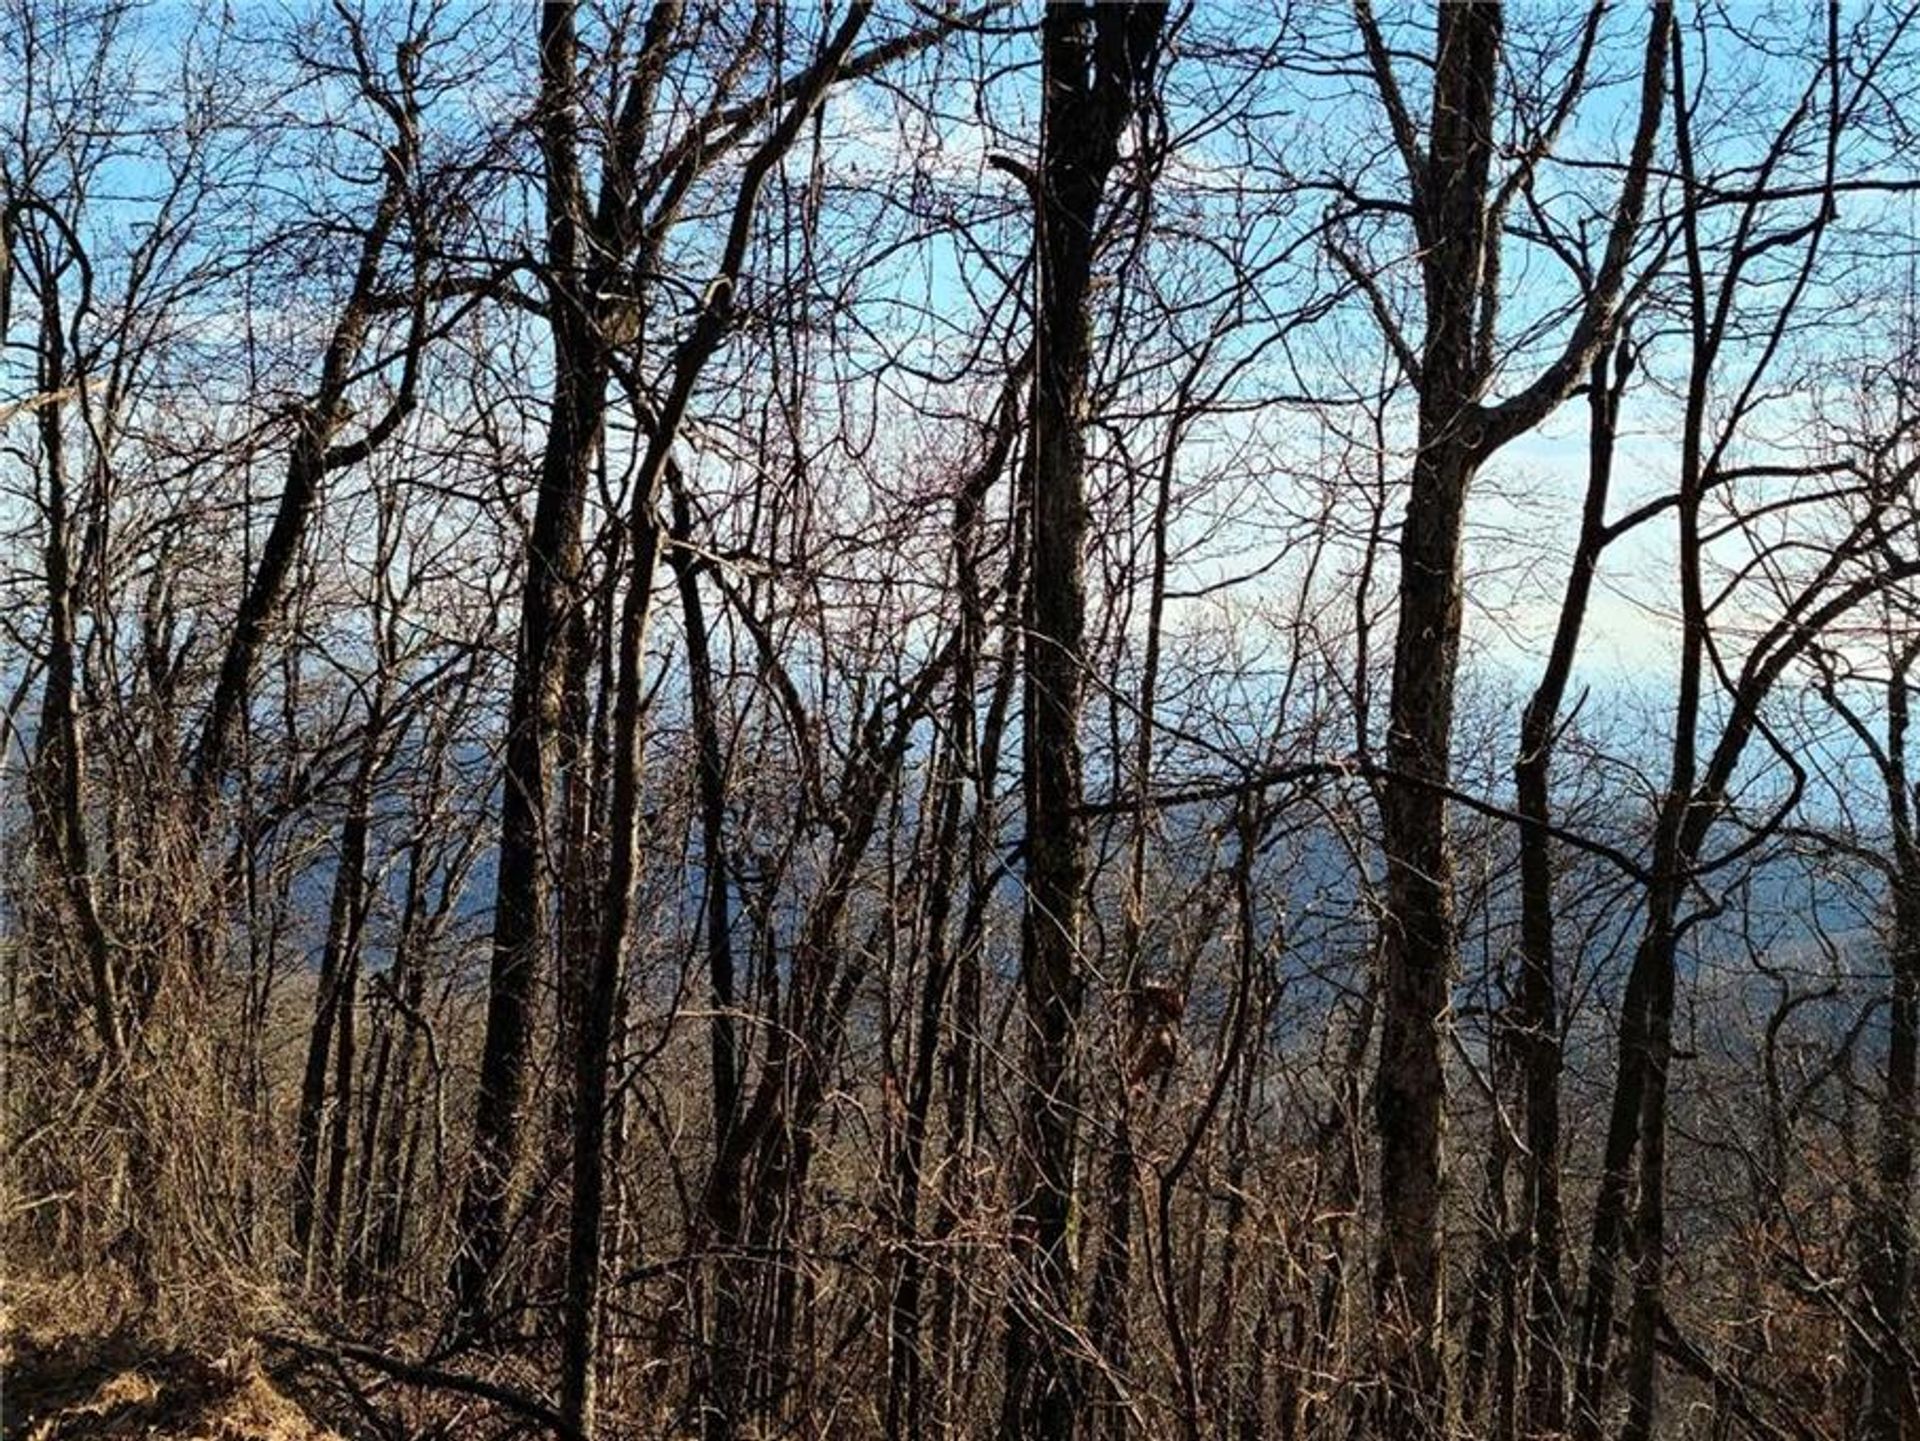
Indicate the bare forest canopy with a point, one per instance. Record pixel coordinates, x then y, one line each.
900 719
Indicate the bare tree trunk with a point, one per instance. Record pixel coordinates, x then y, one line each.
1538 1019
1887 1407
316 450
1098 65
326 1248
961 1065
1457 215
1419 957
1108 1310
581 766
333 997
906 1384
58 792
389 1072
1890 1410
717 924
551 586
580 1337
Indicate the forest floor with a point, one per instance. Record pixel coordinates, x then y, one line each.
64 1377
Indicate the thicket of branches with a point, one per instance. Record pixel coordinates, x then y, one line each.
1103 721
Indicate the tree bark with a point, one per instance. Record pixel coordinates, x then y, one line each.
1538 1019
1887 1406
906 1383
1890 1408
1419 956
333 998
581 1307
1098 66
1457 217
550 588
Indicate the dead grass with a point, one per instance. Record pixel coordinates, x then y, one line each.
70 1369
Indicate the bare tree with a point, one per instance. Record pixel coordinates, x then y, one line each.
1458 209
1097 66
699 754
